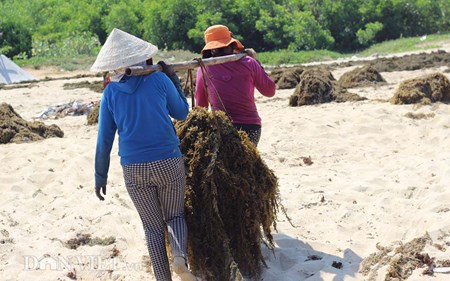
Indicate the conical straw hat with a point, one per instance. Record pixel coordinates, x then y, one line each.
121 50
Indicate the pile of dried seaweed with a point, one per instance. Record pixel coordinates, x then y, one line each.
317 85
286 77
361 77
401 260
425 90
15 129
231 195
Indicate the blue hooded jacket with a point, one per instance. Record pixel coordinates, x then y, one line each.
139 108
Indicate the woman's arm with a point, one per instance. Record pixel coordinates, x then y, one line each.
176 101
105 139
263 83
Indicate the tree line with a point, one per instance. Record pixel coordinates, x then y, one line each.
79 27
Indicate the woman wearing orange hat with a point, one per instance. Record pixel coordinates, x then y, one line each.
233 82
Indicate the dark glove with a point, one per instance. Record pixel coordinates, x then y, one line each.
170 72
97 192
167 68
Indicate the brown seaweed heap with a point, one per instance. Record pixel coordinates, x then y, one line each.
425 90
412 61
15 129
317 85
360 77
96 86
287 77
401 63
231 195
402 259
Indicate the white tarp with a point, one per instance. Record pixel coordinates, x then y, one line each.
12 73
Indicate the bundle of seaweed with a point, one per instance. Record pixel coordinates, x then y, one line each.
231 194
15 129
317 85
424 90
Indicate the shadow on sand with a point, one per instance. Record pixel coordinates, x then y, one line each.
294 260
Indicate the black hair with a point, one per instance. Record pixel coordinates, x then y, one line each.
219 51
206 54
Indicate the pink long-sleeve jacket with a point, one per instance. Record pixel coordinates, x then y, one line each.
231 86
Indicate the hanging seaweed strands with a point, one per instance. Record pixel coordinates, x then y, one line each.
231 195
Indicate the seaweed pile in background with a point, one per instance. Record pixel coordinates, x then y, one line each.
13 128
425 89
317 85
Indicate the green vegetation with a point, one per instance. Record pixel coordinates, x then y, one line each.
69 28
84 62
274 58
407 44
64 63
422 43
291 57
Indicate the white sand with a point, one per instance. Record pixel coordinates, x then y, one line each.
377 177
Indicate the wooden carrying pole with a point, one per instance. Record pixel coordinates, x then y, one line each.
139 70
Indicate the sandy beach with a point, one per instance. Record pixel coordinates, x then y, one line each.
355 178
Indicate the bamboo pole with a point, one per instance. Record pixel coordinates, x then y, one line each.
139 70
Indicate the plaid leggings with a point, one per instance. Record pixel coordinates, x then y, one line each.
157 191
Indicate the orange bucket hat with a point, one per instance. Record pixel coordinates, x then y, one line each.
219 36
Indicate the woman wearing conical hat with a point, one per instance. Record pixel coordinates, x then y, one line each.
139 109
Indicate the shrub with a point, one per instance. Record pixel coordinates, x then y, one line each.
15 39
367 36
74 45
